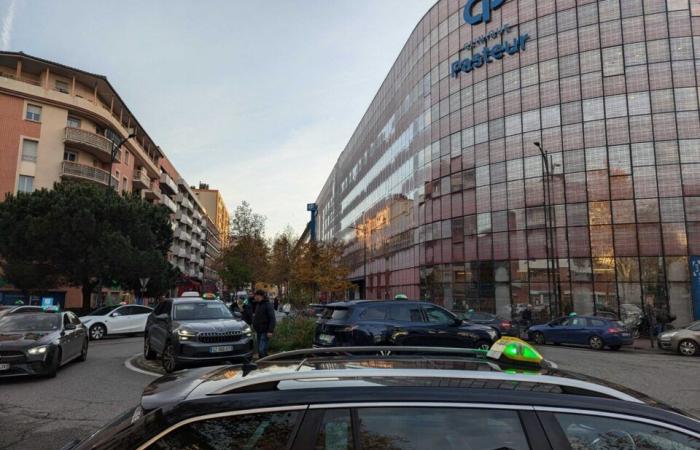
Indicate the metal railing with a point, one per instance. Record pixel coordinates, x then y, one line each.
82 171
90 141
165 200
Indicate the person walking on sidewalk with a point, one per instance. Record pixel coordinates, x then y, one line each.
264 322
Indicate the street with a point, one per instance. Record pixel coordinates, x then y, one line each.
40 413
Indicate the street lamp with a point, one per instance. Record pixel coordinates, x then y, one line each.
113 155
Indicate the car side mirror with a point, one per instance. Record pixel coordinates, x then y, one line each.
70 326
115 314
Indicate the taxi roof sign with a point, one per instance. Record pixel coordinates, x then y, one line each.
515 350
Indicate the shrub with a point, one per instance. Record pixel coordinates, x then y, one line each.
293 333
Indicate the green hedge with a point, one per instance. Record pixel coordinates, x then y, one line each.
293 333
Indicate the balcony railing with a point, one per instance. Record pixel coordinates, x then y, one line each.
183 236
184 201
165 200
97 145
167 184
75 170
184 218
197 216
141 179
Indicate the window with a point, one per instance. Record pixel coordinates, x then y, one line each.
406 313
70 156
126 157
73 122
62 86
29 150
26 184
259 431
582 430
440 428
125 183
596 323
373 313
438 316
336 431
33 113
694 327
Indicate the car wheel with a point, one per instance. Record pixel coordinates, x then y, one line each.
687 348
83 351
538 338
596 343
97 332
55 364
483 345
148 352
615 347
168 360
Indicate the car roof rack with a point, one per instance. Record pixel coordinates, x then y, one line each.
296 355
267 382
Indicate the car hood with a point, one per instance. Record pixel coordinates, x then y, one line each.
679 333
24 338
217 325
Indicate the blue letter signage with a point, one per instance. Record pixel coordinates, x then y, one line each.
486 7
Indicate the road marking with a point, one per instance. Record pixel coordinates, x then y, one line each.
129 365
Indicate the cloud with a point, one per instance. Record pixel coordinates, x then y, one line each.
7 22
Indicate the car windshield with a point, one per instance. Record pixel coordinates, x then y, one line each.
695 326
205 310
30 322
103 311
335 313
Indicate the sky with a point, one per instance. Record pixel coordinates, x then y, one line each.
255 98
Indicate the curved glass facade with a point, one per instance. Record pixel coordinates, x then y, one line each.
443 194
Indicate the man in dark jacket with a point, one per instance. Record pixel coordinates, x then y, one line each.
264 321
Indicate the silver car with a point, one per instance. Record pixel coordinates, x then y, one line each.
685 341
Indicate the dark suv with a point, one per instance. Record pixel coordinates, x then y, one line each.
194 330
397 322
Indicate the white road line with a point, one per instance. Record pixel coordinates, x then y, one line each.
131 367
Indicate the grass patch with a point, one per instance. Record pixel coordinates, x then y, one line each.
293 333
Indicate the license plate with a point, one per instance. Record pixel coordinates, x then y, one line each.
4 367
326 338
625 335
221 349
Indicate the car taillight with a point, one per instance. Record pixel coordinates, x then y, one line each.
505 324
615 330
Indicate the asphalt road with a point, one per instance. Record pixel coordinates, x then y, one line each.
667 377
39 413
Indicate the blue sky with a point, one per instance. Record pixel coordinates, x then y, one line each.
256 98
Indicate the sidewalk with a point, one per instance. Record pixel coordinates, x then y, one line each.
643 344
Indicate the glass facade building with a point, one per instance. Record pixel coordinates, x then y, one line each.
442 193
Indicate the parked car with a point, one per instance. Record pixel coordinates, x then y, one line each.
193 330
118 319
314 310
685 341
425 398
503 326
40 343
5 310
595 332
397 322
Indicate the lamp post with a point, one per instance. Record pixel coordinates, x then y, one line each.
113 156
552 278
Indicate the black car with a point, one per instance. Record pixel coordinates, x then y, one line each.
412 398
39 343
397 322
193 330
505 327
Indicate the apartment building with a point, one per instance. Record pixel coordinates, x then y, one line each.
213 202
59 122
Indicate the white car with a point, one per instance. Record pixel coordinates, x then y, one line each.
119 319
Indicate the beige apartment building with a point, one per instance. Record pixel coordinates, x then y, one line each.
58 122
213 202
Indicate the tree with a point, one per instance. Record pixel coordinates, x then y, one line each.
282 259
319 266
247 223
245 261
82 235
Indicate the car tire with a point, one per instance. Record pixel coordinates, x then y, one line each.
55 364
84 351
168 360
615 347
97 332
483 345
596 343
538 337
688 347
148 353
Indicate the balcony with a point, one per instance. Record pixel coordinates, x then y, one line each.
165 200
184 201
182 252
167 185
83 172
93 143
184 218
141 179
151 194
197 216
183 236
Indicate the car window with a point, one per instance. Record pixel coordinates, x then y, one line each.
440 428
438 316
576 322
102 311
591 432
335 313
481 316
694 326
141 310
66 320
560 321
30 322
125 311
204 310
596 322
335 432
406 313
73 318
373 313
270 431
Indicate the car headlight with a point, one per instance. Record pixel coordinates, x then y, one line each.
248 331
186 335
38 350
668 335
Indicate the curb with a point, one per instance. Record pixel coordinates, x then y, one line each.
130 365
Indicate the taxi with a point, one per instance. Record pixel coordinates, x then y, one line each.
507 397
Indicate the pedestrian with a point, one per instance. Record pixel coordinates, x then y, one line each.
287 308
264 321
650 313
277 304
526 316
246 310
